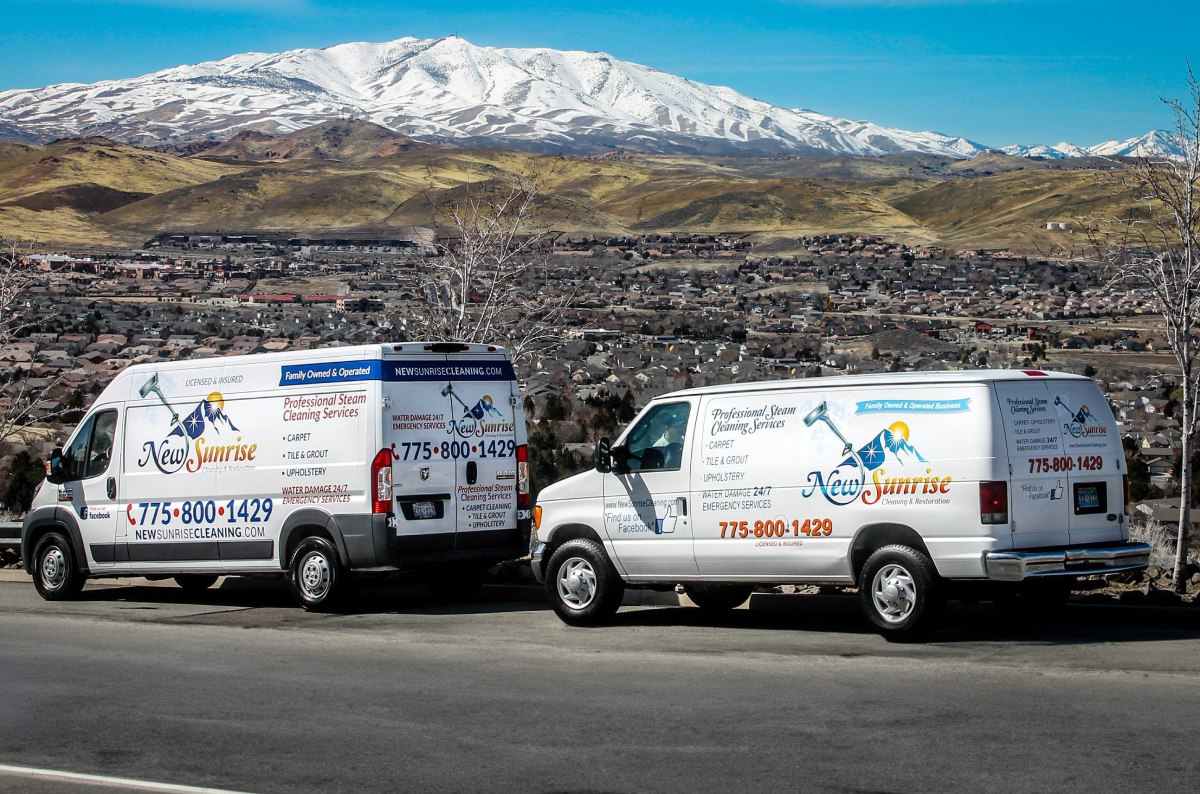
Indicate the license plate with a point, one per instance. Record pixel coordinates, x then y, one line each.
424 510
1088 498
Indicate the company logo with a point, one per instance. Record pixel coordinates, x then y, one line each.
476 419
868 473
206 435
1082 423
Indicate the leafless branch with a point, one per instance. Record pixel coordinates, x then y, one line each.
18 276
1154 249
487 282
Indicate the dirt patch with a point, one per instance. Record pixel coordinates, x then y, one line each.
87 198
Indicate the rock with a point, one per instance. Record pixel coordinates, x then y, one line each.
1125 577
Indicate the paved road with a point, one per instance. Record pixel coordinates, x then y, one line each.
239 690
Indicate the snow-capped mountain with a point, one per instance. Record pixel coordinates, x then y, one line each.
1155 143
1058 151
449 89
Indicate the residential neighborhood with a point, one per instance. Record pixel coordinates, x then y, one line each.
648 314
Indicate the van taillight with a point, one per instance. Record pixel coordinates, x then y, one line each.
523 500
381 482
993 502
1125 493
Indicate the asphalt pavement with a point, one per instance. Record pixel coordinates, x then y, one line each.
239 690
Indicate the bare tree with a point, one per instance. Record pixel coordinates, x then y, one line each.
18 399
487 281
1155 249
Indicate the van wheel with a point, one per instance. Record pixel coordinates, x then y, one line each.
717 598
195 582
584 587
315 575
899 591
55 574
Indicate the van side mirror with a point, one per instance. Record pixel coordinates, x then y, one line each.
54 467
619 457
602 456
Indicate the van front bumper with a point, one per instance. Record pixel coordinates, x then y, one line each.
536 561
1016 566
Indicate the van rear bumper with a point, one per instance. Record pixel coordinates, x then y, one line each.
1016 566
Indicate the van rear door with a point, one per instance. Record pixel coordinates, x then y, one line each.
417 411
482 434
1090 439
1040 471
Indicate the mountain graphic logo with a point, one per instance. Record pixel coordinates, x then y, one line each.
189 443
1081 423
890 443
868 473
209 413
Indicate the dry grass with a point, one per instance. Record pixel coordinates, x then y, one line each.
1160 537
319 187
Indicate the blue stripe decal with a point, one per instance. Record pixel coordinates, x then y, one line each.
395 371
913 406
336 372
497 369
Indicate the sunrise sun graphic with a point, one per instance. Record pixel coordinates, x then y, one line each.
899 429
217 400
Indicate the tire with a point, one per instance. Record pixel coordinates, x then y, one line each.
583 586
900 592
717 598
464 583
56 574
315 575
193 583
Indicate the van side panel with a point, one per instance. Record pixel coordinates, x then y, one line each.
218 457
785 480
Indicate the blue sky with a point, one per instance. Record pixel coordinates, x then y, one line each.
997 71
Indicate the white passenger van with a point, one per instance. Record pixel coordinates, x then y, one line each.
895 483
318 463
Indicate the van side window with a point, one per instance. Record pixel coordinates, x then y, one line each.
656 442
90 451
100 450
74 457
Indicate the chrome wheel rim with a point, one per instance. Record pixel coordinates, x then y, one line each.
53 568
894 593
577 583
316 576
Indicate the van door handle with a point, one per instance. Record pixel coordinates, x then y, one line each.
472 472
112 487
680 506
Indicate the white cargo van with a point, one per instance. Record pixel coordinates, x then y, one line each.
318 463
895 483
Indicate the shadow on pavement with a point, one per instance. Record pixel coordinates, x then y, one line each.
1073 624
366 598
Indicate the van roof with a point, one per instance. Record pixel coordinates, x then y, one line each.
884 379
300 356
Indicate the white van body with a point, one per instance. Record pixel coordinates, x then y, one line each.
800 481
400 455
